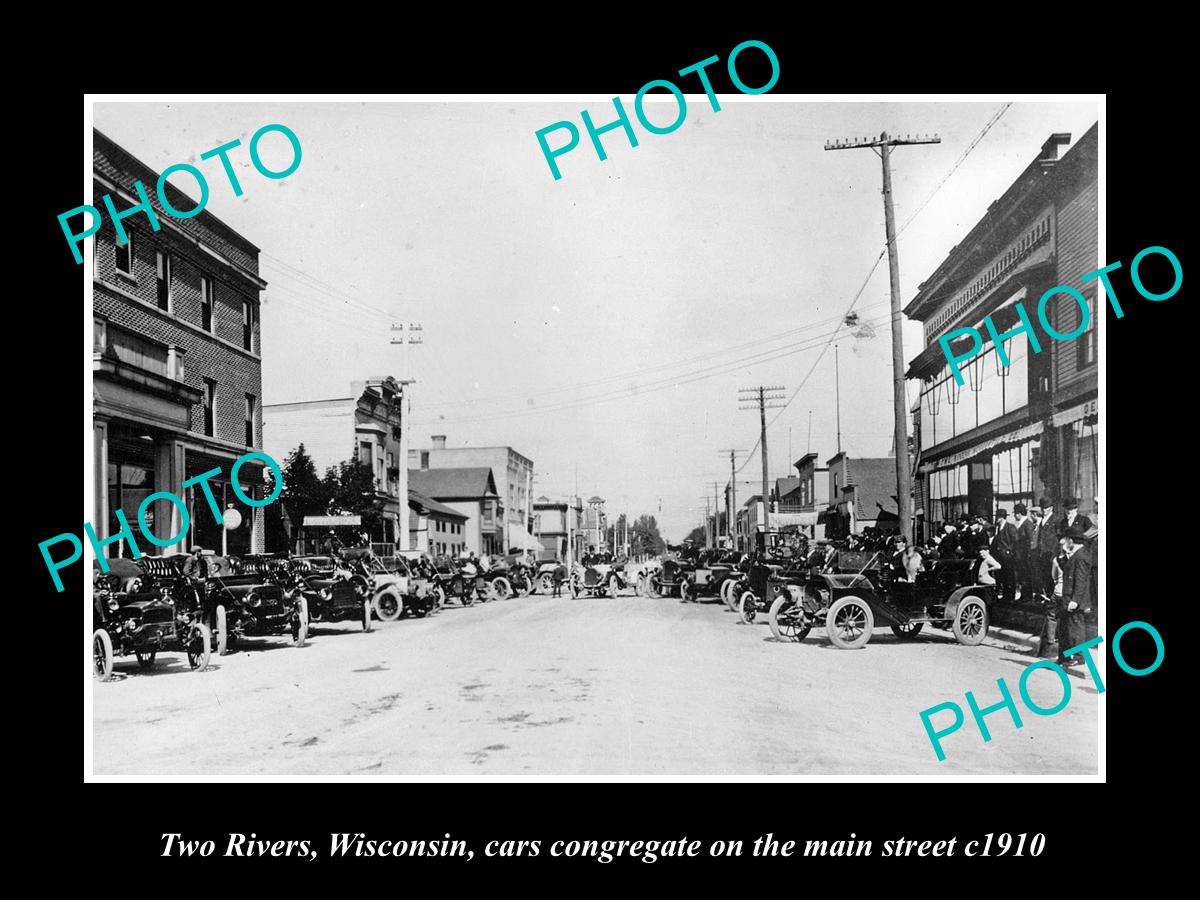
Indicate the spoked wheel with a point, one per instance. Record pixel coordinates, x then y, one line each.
501 588
686 594
102 654
146 660
366 616
199 647
729 594
908 630
545 584
849 623
788 621
439 594
220 631
971 621
388 605
614 586
300 623
748 607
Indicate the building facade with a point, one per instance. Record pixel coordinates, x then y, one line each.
512 471
558 528
1024 427
595 525
176 366
862 494
435 528
472 493
365 425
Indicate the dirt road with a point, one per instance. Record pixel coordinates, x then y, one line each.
542 687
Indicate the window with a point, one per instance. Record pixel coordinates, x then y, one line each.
210 403
1085 348
424 459
164 280
249 420
123 259
364 453
206 304
247 325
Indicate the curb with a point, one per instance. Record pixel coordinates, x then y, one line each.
1011 640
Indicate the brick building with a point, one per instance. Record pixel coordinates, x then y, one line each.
177 371
862 494
1019 432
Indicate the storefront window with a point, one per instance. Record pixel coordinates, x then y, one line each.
130 481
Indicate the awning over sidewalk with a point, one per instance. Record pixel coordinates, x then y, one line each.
995 443
779 520
520 539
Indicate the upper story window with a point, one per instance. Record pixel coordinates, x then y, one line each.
164 280
206 304
123 254
247 325
364 453
249 420
210 405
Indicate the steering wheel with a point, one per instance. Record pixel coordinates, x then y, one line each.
780 551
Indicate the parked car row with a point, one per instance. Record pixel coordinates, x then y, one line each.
148 605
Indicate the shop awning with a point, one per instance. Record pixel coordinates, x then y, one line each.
995 443
520 539
779 520
1075 413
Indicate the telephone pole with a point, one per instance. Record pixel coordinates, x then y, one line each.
731 508
765 398
716 510
413 337
883 146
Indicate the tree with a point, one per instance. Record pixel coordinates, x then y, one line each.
697 535
351 492
645 537
303 494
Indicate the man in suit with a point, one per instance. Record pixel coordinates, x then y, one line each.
1022 555
1071 518
1076 600
1004 548
1047 546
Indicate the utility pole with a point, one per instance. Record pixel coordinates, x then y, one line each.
883 146
837 396
413 337
707 513
765 398
730 511
716 508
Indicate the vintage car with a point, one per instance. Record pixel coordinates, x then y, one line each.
543 579
133 615
675 569
849 603
713 569
412 593
597 576
327 591
234 605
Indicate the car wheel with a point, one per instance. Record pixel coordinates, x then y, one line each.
366 616
501 588
545 584
908 631
849 623
787 622
685 592
146 660
199 647
971 621
748 607
220 631
439 595
728 595
300 623
102 654
614 586
388 605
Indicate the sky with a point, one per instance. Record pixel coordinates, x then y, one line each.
600 324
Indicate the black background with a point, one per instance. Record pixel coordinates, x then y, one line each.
1150 406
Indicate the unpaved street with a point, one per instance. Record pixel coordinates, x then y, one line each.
542 687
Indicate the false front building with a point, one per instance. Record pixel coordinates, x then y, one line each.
1015 432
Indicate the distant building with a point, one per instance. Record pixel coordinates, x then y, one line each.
364 425
555 523
435 528
595 525
862 494
471 492
512 471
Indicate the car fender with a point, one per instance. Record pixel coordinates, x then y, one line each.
983 591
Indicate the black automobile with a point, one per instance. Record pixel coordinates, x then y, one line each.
234 605
326 590
133 615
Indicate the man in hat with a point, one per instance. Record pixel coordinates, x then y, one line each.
1071 518
1076 599
1022 554
1047 547
195 566
1004 548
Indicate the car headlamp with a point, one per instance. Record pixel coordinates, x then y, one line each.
113 604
